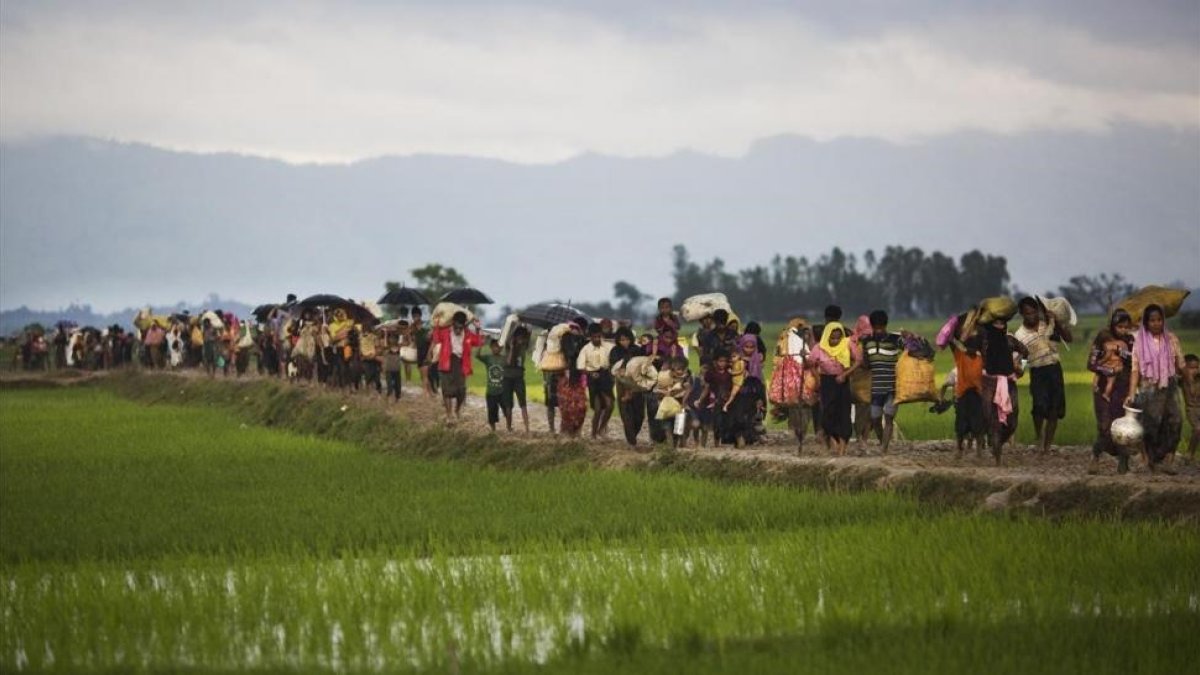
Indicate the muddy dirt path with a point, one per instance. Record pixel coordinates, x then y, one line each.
1022 466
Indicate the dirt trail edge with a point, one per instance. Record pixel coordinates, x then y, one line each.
1056 485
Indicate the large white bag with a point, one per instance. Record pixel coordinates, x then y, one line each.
638 373
1062 310
444 312
699 306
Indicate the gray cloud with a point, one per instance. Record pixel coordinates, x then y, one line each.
535 82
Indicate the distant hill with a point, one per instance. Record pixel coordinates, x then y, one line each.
15 319
116 224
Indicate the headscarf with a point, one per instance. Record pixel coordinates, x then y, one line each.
754 363
1156 360
862 328
841 353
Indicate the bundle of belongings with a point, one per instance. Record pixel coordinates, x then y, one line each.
443 314
637 373
915 372
1170 299
699 306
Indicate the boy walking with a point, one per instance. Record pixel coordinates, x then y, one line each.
882 350
1191 401
593 360
1046 385
493 360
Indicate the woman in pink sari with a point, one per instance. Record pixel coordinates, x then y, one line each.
1154 383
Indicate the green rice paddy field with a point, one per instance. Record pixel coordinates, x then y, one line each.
915 420
166 538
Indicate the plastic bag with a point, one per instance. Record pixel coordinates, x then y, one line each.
946 334
668 407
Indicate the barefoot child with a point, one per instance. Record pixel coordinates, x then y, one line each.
514 372
968 401
1191 401
699 411
676 382
493 360
718 392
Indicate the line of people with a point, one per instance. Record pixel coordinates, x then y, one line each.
841 382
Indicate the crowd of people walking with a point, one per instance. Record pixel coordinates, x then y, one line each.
842 382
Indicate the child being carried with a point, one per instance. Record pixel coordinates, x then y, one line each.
1110 364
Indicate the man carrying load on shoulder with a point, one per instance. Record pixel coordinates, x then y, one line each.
1046 385
881 350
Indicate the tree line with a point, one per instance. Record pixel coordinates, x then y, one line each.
907 282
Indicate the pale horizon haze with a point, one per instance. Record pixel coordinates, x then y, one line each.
317 146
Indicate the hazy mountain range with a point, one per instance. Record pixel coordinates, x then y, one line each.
120 225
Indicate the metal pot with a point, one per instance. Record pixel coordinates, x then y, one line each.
1127 431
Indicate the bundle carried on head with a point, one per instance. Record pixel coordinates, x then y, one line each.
1000 307
1061 309
1170 299
699 306
443 314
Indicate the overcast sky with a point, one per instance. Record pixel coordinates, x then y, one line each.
542 81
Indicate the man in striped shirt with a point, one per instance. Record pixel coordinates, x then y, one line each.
881 350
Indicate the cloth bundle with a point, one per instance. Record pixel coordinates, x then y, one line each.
444 312
699 306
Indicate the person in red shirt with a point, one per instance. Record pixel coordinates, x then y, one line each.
454 361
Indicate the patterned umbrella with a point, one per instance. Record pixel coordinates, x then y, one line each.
550 314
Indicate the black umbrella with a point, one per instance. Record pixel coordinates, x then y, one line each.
467 296
66 324
550 314
404 296
263 312
356 311
323 300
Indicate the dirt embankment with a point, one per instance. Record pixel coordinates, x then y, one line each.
1054 485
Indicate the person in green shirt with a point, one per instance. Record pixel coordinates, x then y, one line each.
494 360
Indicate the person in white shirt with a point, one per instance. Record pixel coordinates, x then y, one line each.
1046 385
593 360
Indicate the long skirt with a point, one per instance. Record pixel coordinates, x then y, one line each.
835 408
572 402
741 417
1108 412
1161 420
991 415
